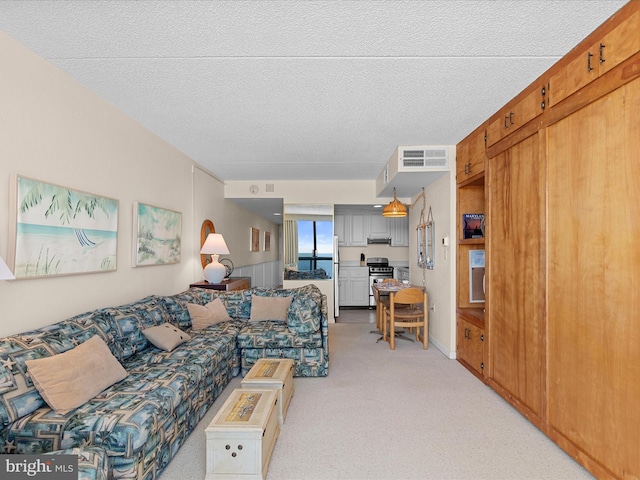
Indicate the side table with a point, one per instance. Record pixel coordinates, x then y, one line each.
231 283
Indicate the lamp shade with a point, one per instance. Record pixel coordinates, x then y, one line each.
5 273
395 208
214 245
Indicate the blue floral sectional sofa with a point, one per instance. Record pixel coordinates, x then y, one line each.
139 423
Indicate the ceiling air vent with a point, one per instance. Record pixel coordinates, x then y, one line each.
430 157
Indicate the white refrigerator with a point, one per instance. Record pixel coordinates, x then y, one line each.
336 272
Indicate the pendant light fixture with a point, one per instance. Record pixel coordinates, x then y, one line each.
395 209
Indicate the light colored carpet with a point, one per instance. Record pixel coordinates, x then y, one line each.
403 414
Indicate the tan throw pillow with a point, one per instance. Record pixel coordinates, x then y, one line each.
269 308
72 378
204 315
165 336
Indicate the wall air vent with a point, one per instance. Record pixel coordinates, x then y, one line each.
412 167
424 158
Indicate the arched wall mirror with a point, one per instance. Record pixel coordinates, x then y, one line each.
205 230
308 242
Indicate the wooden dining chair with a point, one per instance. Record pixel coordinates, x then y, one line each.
407 308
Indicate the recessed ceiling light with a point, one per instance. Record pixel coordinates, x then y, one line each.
377 206
277 214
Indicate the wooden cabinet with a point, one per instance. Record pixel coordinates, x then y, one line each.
510 119
353 285
594 259
470 156
470 192
516 217
561 325
470 340
602 55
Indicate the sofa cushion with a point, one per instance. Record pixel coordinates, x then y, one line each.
269 308
165 336
69 379
176 305
237 302
18 394
128 321
304 315
203 316
275 334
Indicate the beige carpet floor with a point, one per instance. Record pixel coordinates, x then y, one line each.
403 414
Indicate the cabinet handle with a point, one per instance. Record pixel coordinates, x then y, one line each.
511 118
482 337
589 55
601 53
505 122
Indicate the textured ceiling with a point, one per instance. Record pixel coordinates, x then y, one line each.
285 90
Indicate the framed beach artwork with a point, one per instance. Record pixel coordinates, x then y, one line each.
56 230
157 235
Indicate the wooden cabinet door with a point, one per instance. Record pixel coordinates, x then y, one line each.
619 44
614 48
470 156
594 279
516 283
470 345
513 118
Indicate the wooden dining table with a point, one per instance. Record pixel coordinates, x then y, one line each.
387 289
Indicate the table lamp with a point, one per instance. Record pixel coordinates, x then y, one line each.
5 273
214 245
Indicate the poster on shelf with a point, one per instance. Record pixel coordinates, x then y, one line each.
473 225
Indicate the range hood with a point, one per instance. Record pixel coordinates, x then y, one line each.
379 241
411 168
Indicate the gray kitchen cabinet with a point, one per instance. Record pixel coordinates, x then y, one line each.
353 284
399 231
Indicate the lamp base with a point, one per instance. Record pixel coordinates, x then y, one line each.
214 272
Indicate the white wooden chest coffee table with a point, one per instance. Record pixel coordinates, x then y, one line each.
273 373
241 436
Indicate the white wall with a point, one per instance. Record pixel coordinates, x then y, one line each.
55 130
440 282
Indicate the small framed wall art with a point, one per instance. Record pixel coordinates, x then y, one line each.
254 246
157 235
267 241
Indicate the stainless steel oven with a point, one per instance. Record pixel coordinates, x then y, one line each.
379 269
